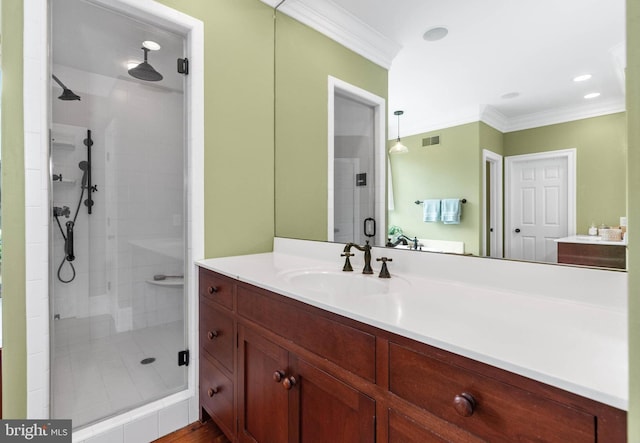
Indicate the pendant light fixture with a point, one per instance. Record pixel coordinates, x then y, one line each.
398 148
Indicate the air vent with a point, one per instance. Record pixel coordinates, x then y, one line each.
431 141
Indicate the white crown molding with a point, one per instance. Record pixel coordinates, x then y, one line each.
449 121
494 118
339 25
563 115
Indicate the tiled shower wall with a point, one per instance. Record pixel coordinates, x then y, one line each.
136 227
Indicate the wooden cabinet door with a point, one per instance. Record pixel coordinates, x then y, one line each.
324 409
263 400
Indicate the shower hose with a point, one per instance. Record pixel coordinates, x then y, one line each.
68 239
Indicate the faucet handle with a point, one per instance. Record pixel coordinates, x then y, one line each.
384 272
347 262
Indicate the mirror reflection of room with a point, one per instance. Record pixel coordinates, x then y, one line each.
482 114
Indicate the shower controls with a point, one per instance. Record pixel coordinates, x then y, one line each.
57 177
61 211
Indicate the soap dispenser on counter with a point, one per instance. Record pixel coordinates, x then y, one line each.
593 230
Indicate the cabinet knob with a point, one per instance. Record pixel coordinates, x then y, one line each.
212 334
464 404
212 391
213 289
278 376
289 382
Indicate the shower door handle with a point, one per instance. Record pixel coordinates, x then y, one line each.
369 227
68 243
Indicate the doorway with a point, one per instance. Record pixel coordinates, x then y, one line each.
492 207
540 204
356 165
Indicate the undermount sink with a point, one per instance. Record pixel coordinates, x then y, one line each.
340 283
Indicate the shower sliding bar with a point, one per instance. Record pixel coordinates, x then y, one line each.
88 142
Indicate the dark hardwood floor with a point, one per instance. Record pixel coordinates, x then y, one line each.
196 432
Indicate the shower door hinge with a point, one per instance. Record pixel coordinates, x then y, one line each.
183 66
183 358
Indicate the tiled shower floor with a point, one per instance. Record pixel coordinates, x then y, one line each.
97 373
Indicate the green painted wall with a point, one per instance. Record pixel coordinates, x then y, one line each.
14 358
238 164
491 139
304 60
633 162
450 170
601 147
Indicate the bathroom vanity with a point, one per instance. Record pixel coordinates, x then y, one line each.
592 251
284 358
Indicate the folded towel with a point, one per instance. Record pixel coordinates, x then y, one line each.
451 210
431 210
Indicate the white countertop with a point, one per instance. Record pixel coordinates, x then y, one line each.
590 239
579 347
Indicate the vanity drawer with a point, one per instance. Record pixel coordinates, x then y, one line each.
502 412
310 328
216 288
216 334
216 395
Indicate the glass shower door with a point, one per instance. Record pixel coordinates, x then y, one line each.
118 200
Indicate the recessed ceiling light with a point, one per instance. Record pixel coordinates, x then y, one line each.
582 78
509 95
592 95
435 34
151 45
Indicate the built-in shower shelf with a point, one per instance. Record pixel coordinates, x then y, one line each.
63 146
169 282
65 181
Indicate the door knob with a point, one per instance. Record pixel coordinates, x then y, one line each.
517 230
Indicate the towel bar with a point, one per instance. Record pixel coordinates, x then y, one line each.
462 200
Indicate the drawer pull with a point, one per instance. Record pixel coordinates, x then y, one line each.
212 334
278 376
289 382
464 404
213 289
212 391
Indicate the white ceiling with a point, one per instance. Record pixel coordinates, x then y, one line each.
494 47
533 47
88 38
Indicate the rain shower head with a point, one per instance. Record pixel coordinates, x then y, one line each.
67 94
144 71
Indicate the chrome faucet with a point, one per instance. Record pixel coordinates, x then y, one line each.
367 257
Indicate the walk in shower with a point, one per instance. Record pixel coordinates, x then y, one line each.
118 193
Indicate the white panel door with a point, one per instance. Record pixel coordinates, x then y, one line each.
538 207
